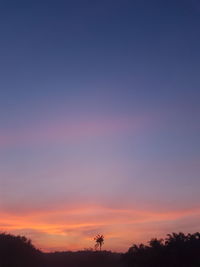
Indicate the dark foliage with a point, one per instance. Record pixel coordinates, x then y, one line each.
17 251
177 250
99 239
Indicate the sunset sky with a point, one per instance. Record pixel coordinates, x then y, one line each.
99 120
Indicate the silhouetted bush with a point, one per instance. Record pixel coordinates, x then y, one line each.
17 251
176 250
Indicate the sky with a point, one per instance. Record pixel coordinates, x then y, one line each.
99 120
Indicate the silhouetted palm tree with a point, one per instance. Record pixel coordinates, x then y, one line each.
99 241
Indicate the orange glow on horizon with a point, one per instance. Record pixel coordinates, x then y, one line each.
71 229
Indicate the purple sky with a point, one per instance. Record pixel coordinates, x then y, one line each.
99 120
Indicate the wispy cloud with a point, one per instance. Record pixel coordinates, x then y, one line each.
81 224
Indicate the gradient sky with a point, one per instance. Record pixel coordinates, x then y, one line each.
99 120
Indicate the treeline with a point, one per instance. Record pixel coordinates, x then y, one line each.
18 251
176 250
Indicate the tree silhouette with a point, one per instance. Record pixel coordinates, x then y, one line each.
176 250
18 251
99 241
